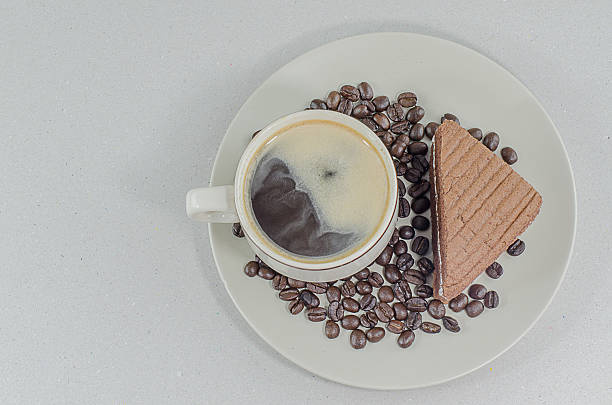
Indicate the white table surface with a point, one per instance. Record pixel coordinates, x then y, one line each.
108 114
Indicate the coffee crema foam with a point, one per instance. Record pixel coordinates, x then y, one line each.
319 188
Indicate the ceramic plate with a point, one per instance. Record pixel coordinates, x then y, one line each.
447 77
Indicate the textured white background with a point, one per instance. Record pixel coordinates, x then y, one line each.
109 113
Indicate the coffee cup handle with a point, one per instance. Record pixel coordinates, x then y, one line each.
212 204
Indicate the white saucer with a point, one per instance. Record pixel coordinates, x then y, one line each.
446 77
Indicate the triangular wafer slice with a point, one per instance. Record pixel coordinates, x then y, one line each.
480 206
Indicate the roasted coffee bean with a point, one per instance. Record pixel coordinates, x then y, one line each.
404 262
401 127
400 170
401 291
375 334
491 299
237 230
398 148
367 302
405 339
375 279
349 92
406 232
436 309
365 91
309 299
517 247
476 133
509 155
395 326
360 111
345 107
381 103
368 321
413 175
369 122
407 99
420 163
251 268
333 99
430 327
404 208
384 312
332 330
254 135
358 339
335 311
414 320
401 188
423 291
350 322
385 256
417 148
350 304
317 314
382 121
415 114
266 273
363 287
400 248
416 304
296 283
477 291
385 294
363 274
296 306
420 222
333 294
386 137
406 157
279 282
420 205
426 266
451 324
348 289
395 112
317 288
392 273
369 105
394 238
420 245
451 117
318 104
458 303
413 277
491 140
289 294
474 308
400 312
417 132
495 270
430 129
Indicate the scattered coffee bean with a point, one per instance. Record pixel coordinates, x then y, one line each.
358 339
385 256
237 229
416 304
382 121
404 208
289 294
436 309
451 117
349 92
363 274
401 127
420 205
335 311
384 312
381 103
476 133
279 282
385 294
370 123
517 247
369 105
413 175
413 277
375 334
386 137
491 140
458 303
401 168
296 283
491 299
426 266
406 157
430 129
414 320
418 148
420 222
317 288
367 302
348 289
404 261
407 99
350 304
401 291
509 155
251 269
420 245
400 248
345 107
332 330
430 327
363 287
375 279
309 299
401 188
423 291
477 291
365 91
318 104
495 270
394 238
474 308
398 148
317 314
333 294
296 306
415 114
451 324
333 99
405 339
266 273
360 111
406 232
420 163
395 326
392 273
368 320
395 112
400 312
350 322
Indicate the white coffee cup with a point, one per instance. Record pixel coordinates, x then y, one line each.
228 204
